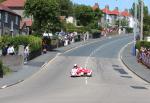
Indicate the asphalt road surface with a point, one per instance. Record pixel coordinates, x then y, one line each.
111 82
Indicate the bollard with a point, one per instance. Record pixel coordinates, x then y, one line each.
1 69
133 51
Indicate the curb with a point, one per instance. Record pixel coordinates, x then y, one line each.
130 67
6 86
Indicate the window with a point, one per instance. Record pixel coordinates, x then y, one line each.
17 19
12 26
0 15
6 17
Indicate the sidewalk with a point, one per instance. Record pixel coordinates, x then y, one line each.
131 62
36 64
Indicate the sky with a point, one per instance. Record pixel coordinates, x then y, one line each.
122 4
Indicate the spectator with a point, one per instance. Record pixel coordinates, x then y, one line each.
10 50
44 46
4 50
26 53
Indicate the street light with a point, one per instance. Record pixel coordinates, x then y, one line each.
119 18
141 35
135 29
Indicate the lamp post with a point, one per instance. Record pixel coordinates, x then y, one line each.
135 30
141 31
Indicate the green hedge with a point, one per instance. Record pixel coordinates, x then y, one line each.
142 43
4 70
35 42
129 30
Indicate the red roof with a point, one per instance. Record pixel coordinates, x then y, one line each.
14 3
106 10
22 24
28 22
4 8
115 12
125 13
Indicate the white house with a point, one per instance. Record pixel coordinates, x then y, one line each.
71 19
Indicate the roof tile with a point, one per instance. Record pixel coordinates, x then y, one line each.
14 3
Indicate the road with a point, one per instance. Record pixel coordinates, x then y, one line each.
111 82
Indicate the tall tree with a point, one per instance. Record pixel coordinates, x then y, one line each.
65 7
85 14
45 14
132 10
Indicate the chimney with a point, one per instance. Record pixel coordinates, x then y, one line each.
107 6
96 4
116 8
126 10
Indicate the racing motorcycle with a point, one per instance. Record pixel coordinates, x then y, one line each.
79 71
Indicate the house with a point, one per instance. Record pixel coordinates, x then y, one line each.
71 20
18 7
9 21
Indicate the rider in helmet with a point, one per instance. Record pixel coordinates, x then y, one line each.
75 66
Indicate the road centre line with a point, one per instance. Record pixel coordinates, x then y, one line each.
96 50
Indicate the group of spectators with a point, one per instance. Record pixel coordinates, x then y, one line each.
106 31
144 56
9 50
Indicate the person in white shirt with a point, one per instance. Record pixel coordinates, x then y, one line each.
11 50
26 53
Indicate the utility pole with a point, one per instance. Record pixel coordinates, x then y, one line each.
141 33
135 29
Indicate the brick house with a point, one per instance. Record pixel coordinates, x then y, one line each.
9 21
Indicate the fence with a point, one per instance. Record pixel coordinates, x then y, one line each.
144 58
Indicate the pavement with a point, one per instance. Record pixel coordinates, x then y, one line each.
130 61
37 64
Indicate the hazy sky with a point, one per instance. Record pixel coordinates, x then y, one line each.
122 4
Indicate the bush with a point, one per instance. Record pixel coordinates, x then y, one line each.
143 44
1 69
35 42
129 30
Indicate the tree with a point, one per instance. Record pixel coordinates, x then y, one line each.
122 22
2 1
146 19
146 28
45 14
132 10
65 7
85 14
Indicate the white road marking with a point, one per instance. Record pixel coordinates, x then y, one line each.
3 86
86 81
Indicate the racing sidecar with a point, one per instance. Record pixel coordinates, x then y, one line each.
79 71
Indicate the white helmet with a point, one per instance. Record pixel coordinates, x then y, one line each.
75 65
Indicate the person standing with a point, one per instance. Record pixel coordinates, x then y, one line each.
11 50
4 50
26 53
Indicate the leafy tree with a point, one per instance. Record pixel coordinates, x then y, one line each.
132 10
65 7
85 15
146 18
122 22
45 14
146 28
